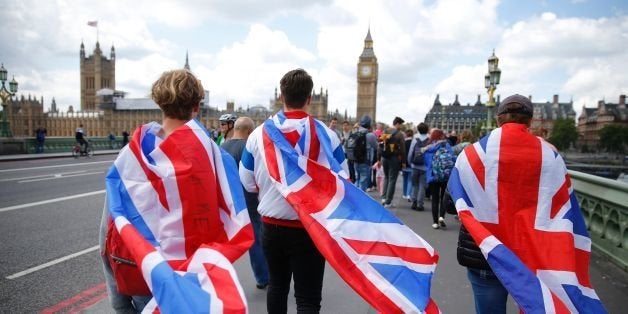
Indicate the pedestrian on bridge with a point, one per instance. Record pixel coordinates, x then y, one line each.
523 232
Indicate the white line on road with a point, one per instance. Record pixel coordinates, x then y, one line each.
59 199
57 261
57 166
42 176
59 176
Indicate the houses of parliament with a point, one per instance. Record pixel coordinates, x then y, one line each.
104 110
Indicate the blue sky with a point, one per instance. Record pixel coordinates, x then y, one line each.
240 49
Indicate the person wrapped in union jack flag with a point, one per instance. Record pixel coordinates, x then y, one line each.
523 232
311 213
175 217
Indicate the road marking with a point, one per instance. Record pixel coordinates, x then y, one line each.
54 200
57 166
57 261
42 176
80 301
59 176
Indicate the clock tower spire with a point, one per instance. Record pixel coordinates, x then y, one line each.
367 74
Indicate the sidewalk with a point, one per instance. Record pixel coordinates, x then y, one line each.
52 155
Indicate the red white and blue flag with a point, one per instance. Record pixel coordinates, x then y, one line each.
382 259
514 196
179 207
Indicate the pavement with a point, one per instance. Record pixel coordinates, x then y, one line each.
450 287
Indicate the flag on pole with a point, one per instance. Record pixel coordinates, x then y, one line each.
178 206
526 220
380 257
92 23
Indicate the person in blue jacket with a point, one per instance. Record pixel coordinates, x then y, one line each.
439 161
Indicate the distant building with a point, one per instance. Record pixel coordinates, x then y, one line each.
456 117
318 104
97 72
367 75
546 114
592 120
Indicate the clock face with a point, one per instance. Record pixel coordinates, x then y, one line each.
366 70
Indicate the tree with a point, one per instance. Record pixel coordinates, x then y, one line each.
613 138
564 133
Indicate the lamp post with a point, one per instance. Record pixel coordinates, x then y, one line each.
5 96
491 80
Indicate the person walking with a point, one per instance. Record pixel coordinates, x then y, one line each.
439 160
242 128
407 171
346 133
393 160
125 138
417 164
40 137
171 212
522 229
289 249
363 169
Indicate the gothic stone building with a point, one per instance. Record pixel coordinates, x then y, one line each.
456 117
592 120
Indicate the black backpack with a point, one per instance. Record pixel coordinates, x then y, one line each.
389 145
417 156
356 147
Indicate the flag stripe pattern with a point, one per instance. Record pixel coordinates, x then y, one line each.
526 220
382 259
178 206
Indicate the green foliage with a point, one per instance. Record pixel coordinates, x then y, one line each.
614 138
564 133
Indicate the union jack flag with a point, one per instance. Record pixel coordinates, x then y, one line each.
382 259
179 207
514 196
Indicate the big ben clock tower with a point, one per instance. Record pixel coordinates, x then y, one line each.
367 80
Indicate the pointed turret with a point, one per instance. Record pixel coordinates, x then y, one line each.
368 52
112 54
97 49
437 101
478 102
187 64
82 51
456 102
53 105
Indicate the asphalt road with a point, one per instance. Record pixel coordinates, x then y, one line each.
49 260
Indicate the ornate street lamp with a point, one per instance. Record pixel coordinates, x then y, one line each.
491 80
5 96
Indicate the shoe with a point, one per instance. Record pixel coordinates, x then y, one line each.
388 205
383 200
420 209
414 206
369 189
261 286
435 226
441 222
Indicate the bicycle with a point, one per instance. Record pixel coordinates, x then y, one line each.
77 152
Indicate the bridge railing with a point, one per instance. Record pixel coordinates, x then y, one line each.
604 204
54 144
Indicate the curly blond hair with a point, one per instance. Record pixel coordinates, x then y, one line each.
177 93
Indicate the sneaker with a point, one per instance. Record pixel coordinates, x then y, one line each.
369 189
435 226
261 286
420 209
441 222
414 206
389 205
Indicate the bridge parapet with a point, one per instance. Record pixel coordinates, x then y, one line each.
604 204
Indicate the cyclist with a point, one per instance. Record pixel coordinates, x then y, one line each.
79 135
226 125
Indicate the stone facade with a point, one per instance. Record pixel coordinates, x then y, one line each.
545 114
318 105
97 72
592 120
456 117
367 76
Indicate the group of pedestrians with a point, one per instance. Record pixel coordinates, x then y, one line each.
281 249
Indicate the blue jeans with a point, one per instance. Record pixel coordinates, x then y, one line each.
489 293
256 253
362 175
418 186
407 181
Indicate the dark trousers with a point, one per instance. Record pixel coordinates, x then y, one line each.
437 189
391 170
290 252
351 166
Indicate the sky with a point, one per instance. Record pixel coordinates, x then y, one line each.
240 49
